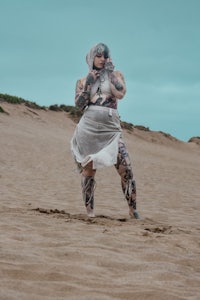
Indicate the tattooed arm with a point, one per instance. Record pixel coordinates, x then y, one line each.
83 88
82 97
117 83
118 86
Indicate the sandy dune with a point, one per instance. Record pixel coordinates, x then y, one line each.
49 248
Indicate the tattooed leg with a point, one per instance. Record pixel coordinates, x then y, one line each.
128 183
88 187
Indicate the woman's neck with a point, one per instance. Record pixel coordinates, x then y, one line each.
97 69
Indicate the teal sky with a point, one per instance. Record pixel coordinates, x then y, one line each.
155 44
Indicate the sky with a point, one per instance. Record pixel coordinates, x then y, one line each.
154 43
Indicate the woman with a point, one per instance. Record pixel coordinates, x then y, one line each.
97 140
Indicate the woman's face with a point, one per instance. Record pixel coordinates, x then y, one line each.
99 61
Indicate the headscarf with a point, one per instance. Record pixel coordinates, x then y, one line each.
99 48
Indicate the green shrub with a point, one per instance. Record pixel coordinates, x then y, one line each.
55 107
11 99
3 111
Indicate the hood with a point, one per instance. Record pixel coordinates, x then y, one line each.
98 48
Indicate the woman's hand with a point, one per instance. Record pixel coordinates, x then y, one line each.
109 65
91 77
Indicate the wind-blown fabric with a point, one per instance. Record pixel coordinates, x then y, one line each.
96 137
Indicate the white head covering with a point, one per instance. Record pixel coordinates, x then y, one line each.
99 48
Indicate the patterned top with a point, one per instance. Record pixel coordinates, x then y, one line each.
103 91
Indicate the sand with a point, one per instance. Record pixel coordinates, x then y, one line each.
50 249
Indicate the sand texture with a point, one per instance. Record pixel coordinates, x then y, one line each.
50 249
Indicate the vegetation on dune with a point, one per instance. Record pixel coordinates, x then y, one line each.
2 110
195 139
74 113
19 100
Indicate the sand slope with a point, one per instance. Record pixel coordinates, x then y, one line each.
49 248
